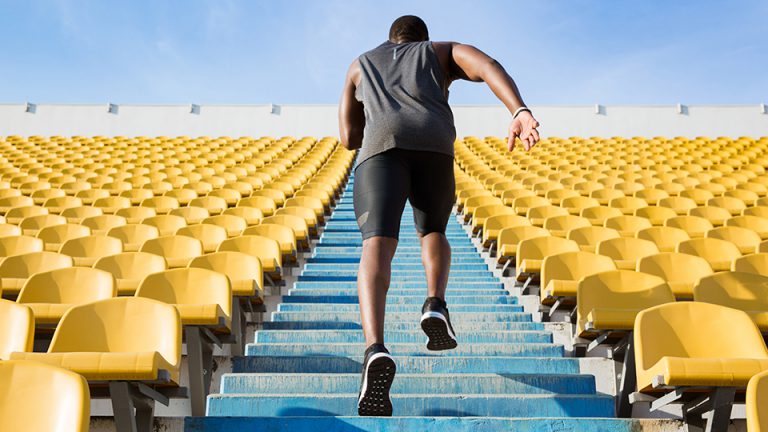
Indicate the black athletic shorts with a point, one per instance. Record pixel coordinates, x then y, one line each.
383 182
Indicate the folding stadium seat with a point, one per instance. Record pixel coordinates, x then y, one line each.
130 268
756 263
15 270
230 196
176 249
233 225
19 245
55 236
77 214
17 330
8 230
757 402
575 205
695 226
116 356
508 197
605 196
162 204
598 215
284 234
110 205
10 202
484 212
276 195
651 196
561 272
204 300
680 345
588 237
720 254
166 224
716 215
734 205
183 196
266 249
252 216
754 223
17 214
209 235
100 225
50 294
656 215
680 205
59 204
559 226
747 196
532 252
523 204
627 205
681 271
760 211
626 251
557 196
537 215
134 215
745 239
266 205
627 226
698 195
494 224
214 205
738 290
133 235
28 386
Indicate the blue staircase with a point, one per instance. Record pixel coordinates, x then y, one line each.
303 371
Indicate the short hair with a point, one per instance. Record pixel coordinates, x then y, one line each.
408 28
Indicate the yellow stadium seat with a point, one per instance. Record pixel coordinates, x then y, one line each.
532 251
589 237
537 215
310 202
510 237
233 225
627 205
681 271
523 204
698 195
575 205
656 215
133 235
183 196
11 202
8 230
266 249
110 205
284 235
191 215
59 204
695 226
665 238
102 224
758 210
17 329
209 235
651 196
685 344
86 250
42 398
215 205
55 236
734 205
756 263
605 196
162 204
115 355
15 270
252 216
561 272
744 291
754 223
276 195
720 254
19 245
51 294
626 251
166 224
77 214
177 250
482 213
494 225
230 196
130 268
757 403
134 215
745 239
680 205
598 215
627 226
243 270
715 215
264 204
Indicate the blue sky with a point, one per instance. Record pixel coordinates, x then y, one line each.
294 51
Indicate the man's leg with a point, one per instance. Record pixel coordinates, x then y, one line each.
372 284
436 258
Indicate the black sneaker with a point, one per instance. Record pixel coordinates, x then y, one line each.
378 374
437 325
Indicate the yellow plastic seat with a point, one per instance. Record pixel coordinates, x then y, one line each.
203 297
233 225
665 238
756 263
561 272
102 224
606 195
627 205
732 204
8 230
598 215
19 245
589 237
252 216
559 226
276 195
745 239
743 291
720 254
15 270
715 215
42 398
686 344
51 294
266 249
284 235
627 226
57 235
264 204
510 237
112 204
86 250
537 215
133 235
494 224
757 403
626 251
17 214
183 196
215 205
33 224
695 226
116 354
575 205
698 195
230 196
59 204
209 235
177 250
310 202
523 204
680 205
754 223
17 329
681 271
166 224
134 215
758 210
244 272
651 196
162 204
610 301
656 215
130 268
76 215
531 253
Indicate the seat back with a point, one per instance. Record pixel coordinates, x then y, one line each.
715 215
173 246
746 239
62 233
589 237
17 329
757 403
695 226
191 215
19 245
627 248
192 286
113 324
561 225
95 246
37 397
284 235
572 266
266 249
756 263
167 224
720 254
538 248
237 266
209 235
657 215
665 238
233 224
627 226
738 290
71 285
25 265
681 271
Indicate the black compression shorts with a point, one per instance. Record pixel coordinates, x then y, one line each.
384 181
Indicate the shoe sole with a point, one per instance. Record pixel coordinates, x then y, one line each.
374 395
436 328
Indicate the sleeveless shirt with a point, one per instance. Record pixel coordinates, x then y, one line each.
405 100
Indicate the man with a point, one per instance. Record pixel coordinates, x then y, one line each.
394 107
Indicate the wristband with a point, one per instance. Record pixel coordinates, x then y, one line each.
519 110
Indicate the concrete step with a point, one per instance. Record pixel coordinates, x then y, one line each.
411 266
398 259
317 296
421 424
410 384
405 284
433 405
411 336
457 319
348 276
393 308
408 364
408 349
469 327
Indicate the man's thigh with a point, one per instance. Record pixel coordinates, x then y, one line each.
380 191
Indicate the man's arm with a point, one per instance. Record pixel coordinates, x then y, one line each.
469 63
351 115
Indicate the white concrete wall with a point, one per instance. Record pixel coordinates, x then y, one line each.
321 120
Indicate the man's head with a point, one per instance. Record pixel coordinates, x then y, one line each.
408 28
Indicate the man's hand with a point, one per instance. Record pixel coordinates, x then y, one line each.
523 126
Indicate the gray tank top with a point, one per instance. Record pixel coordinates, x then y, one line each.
405 100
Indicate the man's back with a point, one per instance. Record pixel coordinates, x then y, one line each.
404 93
